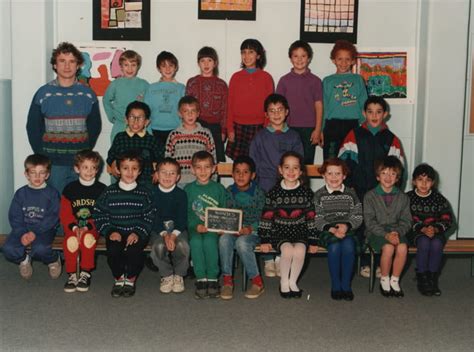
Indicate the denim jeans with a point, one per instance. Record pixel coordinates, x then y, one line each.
41 249
61 175
245 246
169 263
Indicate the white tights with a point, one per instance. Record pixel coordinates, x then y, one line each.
291 264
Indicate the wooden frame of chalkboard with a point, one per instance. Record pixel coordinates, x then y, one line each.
223 220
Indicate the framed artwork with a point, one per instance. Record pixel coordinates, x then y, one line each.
244 10
325 21
388 73
121 20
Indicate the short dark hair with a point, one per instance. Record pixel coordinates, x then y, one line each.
255 45
389 162
343 45
131 154
303 45
207 51
171 161
373 99
424 170
37 159
87 154
275 99
188 99
131 55
334 162
245 159
202 155
66 48
138 105
166 56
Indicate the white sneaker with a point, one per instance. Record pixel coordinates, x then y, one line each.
166 284
178 284
365 271
270 269
26 270
54 268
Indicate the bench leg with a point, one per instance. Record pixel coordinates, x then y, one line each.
244 279
472 266
372 272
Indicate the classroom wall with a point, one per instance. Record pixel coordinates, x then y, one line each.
427 26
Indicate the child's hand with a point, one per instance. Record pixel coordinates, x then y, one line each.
245 230
27 238
132 239
430 231
115 236
265 247
114 170
201 228
231 137
315 137
321 140
393 238
170 241
341 229
313 249
154 178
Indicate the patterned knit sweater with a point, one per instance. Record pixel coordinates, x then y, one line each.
211 92
147 147
63 121
126 212
288 216
336 208
432 210
250 202
182 144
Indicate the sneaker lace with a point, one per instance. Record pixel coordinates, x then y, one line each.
72 279
83 278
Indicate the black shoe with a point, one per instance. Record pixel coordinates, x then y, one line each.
398 294
347 295
150 265
433 279
285 295
84 281
336 295
385 293
423 284
71 283
213 289
117 289
128 288
296 294
201 290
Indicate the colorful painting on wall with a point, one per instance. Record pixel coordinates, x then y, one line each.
101 66
121 20
325 21
386 73
244 10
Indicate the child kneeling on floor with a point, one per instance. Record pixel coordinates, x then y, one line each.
247 196
387 219
170 248
124 215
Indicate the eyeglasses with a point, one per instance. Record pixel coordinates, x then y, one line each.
168 173
35 174
136 118
276 111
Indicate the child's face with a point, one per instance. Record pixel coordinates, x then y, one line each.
290 170
276 114
87 169
168 175
343 61
387 178
300 60
249 58
189 114
137 121
167 70
129 171
203 170
66 66
423 184
207 65
37 175
334 177
129 68
375 115
242 176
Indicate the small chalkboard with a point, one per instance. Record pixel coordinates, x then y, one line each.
223 220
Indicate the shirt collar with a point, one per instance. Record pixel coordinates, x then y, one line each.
379 190
250 191
43 185
331 191
139 134
166 190
285 187
305 73
127 186
283 130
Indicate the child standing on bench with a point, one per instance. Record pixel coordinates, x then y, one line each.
432 217
34 218
288 222
387 221
124 215
80 234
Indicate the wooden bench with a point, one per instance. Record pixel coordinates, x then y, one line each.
225 170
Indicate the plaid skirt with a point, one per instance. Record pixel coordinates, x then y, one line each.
243 137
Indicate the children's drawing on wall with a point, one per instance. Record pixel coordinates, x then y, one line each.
387 74
101 66
227 9
325 21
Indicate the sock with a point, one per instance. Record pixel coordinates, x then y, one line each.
120 279
394 283
257 280
212 280
385 283
202 280
26 260
228 280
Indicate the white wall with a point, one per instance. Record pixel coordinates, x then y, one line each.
434 28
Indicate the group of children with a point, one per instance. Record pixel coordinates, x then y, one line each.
166 141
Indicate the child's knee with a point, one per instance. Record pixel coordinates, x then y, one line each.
72 244
159 249
182 247
243 245
13 253
388 249
41 250
402 249
89 240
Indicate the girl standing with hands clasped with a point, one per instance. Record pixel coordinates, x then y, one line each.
287 224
